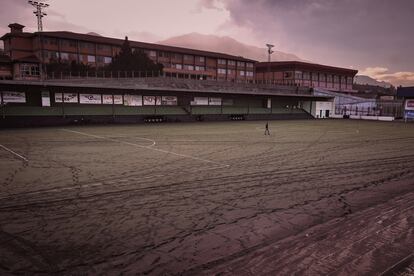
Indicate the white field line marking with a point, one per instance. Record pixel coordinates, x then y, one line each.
15 153
147 147
142 138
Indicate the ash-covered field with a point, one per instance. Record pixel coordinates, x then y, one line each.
315 198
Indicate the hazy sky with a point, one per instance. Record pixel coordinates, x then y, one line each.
373 36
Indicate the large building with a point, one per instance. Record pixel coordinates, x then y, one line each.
194 84
28 50
306 74
97 51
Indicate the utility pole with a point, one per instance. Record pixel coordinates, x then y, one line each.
39 5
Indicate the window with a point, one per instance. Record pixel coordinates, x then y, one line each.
249 65
249 73
83 58
189 67
91 58
67 43
242 73
349 80
315 76
107 60
64 56
73 56
306 75
72 43
178 66
152 53
188 57
87 45
231 63
287 75
222 61
336 79
221 71
200 68
201 59
24 70
164 54
329 78
103 47
51 55
240 64
99 59
298 75
53 41
228 71
177 56
29 70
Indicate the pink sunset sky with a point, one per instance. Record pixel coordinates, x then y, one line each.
373 36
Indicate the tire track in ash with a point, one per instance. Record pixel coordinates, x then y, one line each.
16 245
299 174
311 252
403 267
179 238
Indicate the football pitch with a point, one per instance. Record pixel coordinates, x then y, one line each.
209 197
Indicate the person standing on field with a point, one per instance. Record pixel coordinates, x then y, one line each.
267 132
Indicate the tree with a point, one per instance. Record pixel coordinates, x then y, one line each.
128 60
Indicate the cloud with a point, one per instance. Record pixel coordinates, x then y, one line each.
373 71
403 78
209 4
336 32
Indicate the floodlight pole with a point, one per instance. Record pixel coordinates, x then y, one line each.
38 12
270 52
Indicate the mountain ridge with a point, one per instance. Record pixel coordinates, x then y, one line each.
226 45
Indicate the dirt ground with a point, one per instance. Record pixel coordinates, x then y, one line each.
327 197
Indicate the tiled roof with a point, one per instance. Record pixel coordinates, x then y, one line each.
119 42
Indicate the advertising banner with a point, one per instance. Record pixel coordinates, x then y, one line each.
158 100
149 100
70 97
107 99
90 98
200 101
169 100
409 104
214 101
118 99
13 97
58 97
409 114
45 98
132 100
